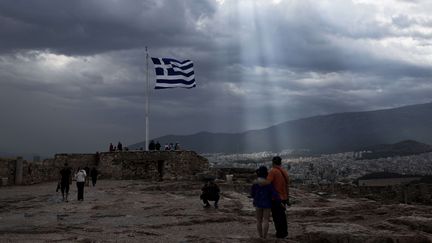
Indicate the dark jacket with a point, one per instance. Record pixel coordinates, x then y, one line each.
66 176
262 195
94 173
211 192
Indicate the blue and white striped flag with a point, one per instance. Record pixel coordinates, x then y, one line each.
171 73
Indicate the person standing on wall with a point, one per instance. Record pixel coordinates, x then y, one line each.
65 178
80 177
152 145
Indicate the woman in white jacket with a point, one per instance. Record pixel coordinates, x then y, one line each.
80 178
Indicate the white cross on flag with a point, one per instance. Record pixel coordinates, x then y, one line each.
171 73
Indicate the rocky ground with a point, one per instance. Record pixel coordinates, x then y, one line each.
144 211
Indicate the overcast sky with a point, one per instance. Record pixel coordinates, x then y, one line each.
72 73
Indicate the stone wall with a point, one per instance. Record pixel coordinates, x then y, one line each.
74 160
7 171
49 169
151 165
4 168
157 165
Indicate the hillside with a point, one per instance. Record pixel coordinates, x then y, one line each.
321 134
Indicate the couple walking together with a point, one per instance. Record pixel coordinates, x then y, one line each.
80 177
270 193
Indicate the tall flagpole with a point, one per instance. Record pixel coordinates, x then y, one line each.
147 104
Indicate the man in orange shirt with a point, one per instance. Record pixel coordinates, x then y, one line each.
278 177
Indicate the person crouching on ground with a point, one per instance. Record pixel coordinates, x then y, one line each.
262 200
210 192
80 177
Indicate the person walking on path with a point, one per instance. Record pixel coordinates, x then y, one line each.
262 200
87 181
65 180
80 177
94 175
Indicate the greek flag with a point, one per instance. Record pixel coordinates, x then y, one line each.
171 73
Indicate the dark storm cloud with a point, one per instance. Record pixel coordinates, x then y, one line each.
75 70
306 42
89 27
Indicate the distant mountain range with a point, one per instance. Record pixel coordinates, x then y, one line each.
339 132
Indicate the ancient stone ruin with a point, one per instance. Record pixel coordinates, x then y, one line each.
155 165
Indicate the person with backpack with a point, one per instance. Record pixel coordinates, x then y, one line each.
262 200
